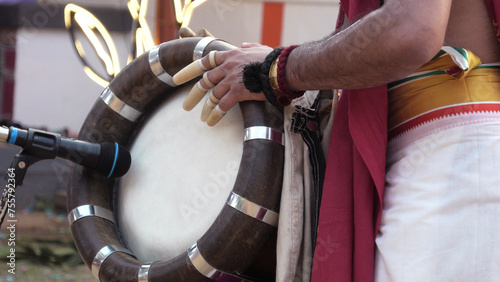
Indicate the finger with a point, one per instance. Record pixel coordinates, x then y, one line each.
197 92
189 72
211 59
214 58
215 116
223 105
194 96
228 100
186 32
206 82
210 103
195 69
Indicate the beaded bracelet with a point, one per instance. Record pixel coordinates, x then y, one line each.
287 95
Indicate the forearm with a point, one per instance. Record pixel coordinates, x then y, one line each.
380 48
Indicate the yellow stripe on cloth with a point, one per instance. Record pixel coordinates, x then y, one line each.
442 84
456 62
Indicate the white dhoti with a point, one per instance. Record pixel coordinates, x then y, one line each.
441 215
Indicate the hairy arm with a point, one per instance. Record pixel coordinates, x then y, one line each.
385 45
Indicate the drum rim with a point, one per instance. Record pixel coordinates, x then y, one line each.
91 215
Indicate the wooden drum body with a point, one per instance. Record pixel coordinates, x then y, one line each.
153 226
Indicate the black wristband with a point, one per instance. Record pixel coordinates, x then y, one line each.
256 76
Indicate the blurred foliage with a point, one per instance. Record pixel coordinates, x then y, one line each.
43 203
44 252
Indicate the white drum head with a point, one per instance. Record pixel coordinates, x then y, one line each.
181 175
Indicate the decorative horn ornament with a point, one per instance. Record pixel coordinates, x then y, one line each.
248 219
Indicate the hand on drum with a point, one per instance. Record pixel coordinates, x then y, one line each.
222 80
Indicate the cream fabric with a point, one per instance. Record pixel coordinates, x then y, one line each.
294 245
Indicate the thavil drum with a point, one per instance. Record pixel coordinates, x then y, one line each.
176 215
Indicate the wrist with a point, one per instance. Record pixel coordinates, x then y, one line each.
269 77
286 94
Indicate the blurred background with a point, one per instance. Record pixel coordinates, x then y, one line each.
51 75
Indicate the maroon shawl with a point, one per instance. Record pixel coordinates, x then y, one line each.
354 182
494 10
355 175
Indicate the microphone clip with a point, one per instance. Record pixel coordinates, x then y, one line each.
19 165
37 145
14 178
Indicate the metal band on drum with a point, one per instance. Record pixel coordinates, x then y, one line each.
256 192
143 275
264 132
119 106
205 268
103 254
201 46
252 209
156 67
90 210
